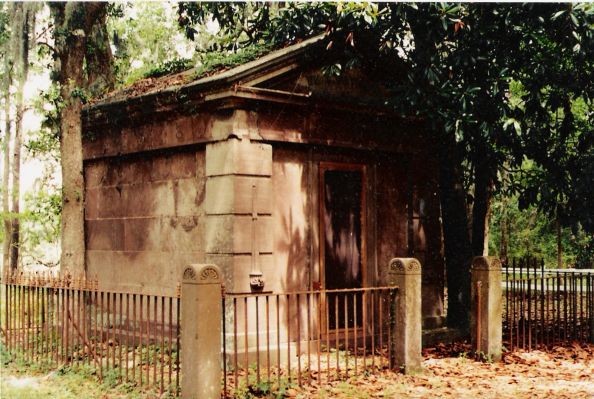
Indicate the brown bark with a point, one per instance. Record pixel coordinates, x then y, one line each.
504 233
559 245
25 25
72 25
6 83
457 248
99 59
481 209
6 164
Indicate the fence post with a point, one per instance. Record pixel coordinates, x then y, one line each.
486 306
201 332
405 273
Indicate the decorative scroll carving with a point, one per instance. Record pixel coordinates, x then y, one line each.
189 274
256 282
403 265
209 273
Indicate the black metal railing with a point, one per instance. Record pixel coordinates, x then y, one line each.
546 306
127 337
271 341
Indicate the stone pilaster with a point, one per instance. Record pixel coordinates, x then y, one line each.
238 206
405 273
201 317
486 306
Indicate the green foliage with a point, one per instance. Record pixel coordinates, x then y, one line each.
506 81
40 220
43 216
4 26
532 233
554 64
169 67
274 389
145 36
213 61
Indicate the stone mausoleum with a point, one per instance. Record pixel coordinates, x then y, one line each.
285 177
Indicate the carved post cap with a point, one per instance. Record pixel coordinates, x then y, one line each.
202 274
486 263
405 266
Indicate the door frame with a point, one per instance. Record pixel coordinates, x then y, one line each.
341 166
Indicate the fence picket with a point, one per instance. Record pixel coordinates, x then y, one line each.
68 320
546 307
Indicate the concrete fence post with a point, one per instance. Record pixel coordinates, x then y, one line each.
405 273
201 316
486 307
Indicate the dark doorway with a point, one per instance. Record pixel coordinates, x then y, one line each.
342 228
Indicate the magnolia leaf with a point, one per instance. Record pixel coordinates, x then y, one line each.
558 14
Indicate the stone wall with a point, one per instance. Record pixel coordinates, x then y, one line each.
144 219
171 192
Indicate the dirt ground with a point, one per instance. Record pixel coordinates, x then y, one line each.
450 372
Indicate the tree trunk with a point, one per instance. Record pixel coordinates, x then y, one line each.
99 60
559 244
24 26
458 252
6 166
504 232
72 25
481 209
11 53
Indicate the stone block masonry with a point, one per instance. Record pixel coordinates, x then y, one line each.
238 207
405 273
201 317
486 309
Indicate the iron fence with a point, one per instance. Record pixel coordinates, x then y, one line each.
546 306
126 337
271 341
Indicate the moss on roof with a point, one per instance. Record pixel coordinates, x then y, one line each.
183 71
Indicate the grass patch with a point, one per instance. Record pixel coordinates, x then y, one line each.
20 379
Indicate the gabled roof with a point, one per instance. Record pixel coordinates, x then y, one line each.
185 85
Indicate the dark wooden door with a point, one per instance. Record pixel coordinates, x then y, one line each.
342 232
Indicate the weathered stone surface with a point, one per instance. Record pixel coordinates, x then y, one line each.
105 234
201 338
92 203
150 199
182 233
176 166
234 195
94 174
339 129
391 212
486 306
187 197
152 135
236 269
148 272
233 234
111 203
240 157
102 143
292 214
405 273
142 234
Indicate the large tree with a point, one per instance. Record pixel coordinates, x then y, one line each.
79 37
22 18
6 15
460 60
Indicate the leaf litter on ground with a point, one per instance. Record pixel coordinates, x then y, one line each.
452 371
